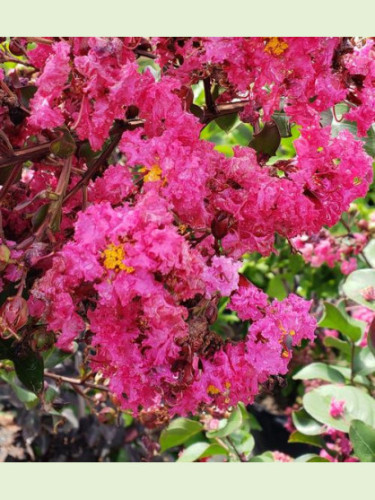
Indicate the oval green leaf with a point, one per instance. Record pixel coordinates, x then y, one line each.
320 371
358 405
356 283
234 423
179 431
362 437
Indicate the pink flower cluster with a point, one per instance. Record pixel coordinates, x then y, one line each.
150 298
136 237
324 248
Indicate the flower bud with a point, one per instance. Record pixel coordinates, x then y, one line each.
243 281
41 340
211 314
15 48
132 112
221 224
107 416
363 224
14 313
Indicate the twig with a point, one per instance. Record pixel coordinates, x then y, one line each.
38 39
145 53
207 92
233 446
10 180
75 381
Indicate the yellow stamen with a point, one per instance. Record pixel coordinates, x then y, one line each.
113 258
211 389
275 46
153 173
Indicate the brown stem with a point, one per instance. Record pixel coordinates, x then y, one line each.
208 96
95 166
75 381
226 108
7 90
55 206
25 154
238 454
145 53
38 39
10 180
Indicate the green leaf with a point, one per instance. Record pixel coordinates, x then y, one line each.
371 337
254 424
234 422
201 450
282 122
362 437
39 216
225 149
310 457
369 252
364 361
298 437
196 110
358 281
370 142
276 288
30 371
179 431
6 348
243 441
358 405
29 399
267 140
341 345
64 146
249 419
336 319
264 457
28 364
320 371
227 122
305 424
54 356
127 419
346 373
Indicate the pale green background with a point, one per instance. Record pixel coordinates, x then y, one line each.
186 481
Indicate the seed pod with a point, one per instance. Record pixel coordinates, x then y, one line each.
221 224
132 112
211 314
